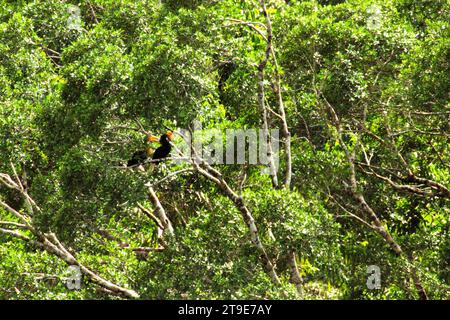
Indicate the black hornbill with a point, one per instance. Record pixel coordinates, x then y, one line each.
163 151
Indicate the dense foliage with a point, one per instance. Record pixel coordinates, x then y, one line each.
363 86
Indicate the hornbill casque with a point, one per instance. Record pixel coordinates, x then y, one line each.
161 152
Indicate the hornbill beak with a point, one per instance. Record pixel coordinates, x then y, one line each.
152 138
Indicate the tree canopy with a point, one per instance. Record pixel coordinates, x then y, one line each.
357 90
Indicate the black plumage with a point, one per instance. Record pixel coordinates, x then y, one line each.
138 157
164 150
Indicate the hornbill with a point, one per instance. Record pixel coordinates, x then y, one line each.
140 156
161 152
164 150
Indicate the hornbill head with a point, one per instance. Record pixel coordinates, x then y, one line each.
166 138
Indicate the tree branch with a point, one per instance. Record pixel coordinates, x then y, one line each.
51 244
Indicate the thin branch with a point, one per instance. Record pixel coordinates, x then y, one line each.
91 7
14 224
249 24
18 215
149 214
421 113
352 214
169 176
141 127
152 161
15 234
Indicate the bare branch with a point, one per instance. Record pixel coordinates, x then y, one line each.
352 214
151 216
141 127
169 176
163 218
18 215
14 224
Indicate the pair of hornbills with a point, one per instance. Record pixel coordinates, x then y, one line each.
139 157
